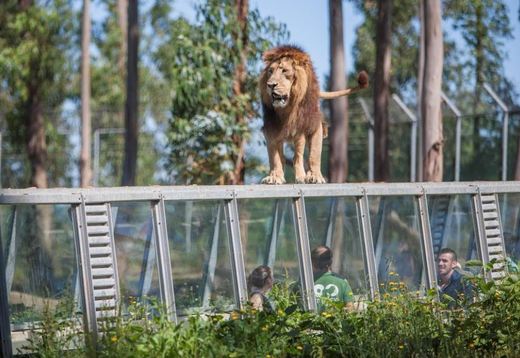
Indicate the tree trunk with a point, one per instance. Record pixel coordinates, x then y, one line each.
36 144
122 20
242 8
431 96
420 80
338 142
85 157
382 88
132 98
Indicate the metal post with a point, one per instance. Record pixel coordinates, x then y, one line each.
212 262
276 226
365 229
235 247
413 135
371 144
426 242
482 251
505 129
458 130
6 348
163 256
97 144
11 252
304 253
82 253
149 261
332 221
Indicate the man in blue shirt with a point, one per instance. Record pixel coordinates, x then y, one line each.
453 288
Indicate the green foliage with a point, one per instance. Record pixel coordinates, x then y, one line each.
199 62
398 324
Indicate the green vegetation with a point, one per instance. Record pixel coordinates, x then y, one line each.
397 324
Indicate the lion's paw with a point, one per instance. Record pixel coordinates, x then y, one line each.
300 180
273 179
314 178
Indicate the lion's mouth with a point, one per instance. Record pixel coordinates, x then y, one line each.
279 100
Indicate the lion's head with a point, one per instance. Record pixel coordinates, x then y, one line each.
284 79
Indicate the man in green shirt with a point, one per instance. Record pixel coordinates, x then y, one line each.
327 284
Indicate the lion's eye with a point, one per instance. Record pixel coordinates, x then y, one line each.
270 71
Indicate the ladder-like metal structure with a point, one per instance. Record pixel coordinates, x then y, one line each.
97 261
490 233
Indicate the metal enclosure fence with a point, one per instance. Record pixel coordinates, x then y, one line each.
408 221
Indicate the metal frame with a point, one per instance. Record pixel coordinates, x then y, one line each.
413 135
458 132
229 196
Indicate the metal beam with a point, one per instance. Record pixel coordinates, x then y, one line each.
365 229
413 135
371 144
304 254
209 276
236 253
164 260
6 348
426 242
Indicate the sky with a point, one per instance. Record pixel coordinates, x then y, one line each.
309 26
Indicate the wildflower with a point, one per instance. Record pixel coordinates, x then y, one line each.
235 315
281 312
326 314
268 356
264 328
392 273
299 347
401 346
114 339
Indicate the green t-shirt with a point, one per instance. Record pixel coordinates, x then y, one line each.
333 287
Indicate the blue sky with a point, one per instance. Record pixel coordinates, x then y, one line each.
310 24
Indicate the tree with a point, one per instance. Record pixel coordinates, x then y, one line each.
85 157
132 97
431 95
382 89
199 62
338 142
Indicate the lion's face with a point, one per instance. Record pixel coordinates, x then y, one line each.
280 78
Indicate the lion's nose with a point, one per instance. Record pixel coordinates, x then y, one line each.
271 85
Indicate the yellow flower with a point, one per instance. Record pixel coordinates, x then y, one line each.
264 328
401 347
235 315
392 273
281 312
114 339
298 347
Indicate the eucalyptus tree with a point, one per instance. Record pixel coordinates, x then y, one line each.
199 61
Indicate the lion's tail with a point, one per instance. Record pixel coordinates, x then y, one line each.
362 84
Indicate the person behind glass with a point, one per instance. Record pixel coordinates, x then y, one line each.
260 282
327 284
451 282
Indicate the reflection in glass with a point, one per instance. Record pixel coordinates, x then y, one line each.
333 222
39 254
199 249
268 237
451 222
135 251
397 241
510 217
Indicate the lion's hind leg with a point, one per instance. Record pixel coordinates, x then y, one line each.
314 175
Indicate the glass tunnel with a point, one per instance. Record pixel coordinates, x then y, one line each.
192 248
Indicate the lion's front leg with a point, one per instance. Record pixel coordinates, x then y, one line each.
299 149
315 143
275 151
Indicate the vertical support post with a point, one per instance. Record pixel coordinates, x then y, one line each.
212 263
413 135
505 129
11 252
304 253
6 348
365 229
426 242
458 131
163 257
482 250
279 211
235 247
371 144
82 253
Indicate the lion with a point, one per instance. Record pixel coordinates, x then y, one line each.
290 96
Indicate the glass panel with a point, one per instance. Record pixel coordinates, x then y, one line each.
510 216
333 222
268 238
135 251
451 222
199 249
41 267
397 241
